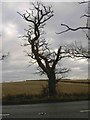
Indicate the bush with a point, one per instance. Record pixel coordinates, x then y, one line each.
45 91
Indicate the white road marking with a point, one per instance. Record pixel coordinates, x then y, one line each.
41 113
82 111
4 115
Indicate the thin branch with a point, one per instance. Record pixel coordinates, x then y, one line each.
20 14
32 63
85 16
83 2
72 29
57 58
86 35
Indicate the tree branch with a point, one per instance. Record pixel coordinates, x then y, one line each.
72 29
57 58
83 2
85 16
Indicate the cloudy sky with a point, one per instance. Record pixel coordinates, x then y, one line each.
15 66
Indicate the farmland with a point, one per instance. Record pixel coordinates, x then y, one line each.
73 89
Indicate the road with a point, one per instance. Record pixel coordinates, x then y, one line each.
77 109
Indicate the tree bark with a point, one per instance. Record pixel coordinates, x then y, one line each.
52 82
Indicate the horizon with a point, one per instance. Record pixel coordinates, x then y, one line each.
42 80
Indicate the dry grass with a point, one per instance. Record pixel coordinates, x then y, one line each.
0 91
72 88
26 87
35 88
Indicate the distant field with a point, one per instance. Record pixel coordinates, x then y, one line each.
35 87
0 91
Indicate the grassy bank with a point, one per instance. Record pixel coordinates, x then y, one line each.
34 91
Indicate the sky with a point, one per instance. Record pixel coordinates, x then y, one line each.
15 67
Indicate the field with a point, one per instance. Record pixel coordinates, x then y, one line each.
65 89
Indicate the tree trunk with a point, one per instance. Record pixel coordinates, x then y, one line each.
52 83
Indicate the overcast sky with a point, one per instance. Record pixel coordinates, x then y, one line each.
15 66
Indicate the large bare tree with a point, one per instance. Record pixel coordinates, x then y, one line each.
39 50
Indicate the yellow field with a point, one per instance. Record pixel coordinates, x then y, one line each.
26 87
0 91
35 88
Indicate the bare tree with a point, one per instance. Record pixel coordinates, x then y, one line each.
80 51
39 50
3 56
77 51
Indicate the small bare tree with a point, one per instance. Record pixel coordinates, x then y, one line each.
39 50
3 56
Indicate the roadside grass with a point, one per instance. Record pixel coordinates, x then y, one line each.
34 91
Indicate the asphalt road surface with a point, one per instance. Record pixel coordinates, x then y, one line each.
77 109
